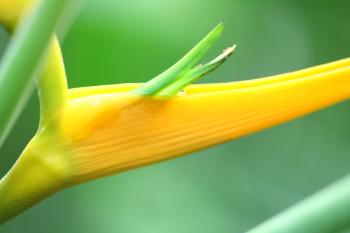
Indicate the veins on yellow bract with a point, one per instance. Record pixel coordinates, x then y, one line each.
84 116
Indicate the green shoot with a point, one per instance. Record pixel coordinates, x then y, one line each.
182 73
196 73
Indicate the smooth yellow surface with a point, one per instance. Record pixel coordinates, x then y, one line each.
113 130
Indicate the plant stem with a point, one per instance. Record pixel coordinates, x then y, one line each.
41 170
21 59
326 211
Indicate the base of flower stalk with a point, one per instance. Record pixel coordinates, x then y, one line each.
40 171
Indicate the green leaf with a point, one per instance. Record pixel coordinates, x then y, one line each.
21 59
196 73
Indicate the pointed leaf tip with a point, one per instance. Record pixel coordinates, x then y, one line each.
184 65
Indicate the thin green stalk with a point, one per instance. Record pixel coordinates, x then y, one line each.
326 211
21 59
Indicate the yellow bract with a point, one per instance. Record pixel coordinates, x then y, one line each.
87 133
112 129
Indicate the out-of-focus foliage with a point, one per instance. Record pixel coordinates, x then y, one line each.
231 187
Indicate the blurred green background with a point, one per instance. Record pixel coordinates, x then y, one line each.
229 188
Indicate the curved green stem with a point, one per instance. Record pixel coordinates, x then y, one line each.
41 170
327 211
48 170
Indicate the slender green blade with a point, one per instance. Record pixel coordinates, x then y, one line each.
196 73
21 58
183 65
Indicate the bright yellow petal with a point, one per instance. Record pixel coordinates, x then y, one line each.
119 131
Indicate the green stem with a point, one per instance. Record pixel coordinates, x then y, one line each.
325 211
41 170
21 59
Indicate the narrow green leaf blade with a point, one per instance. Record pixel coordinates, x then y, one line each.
21 58
184 64
196 73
